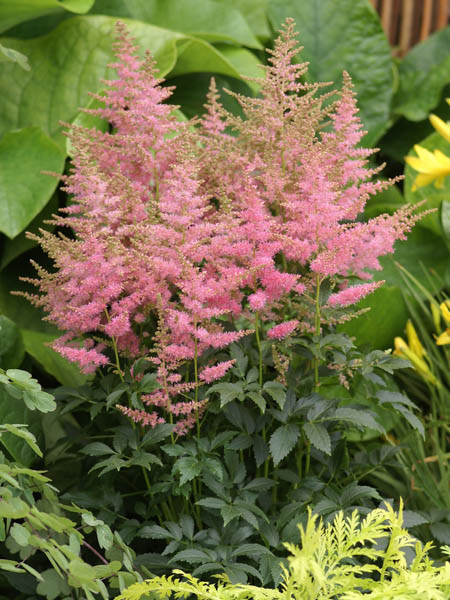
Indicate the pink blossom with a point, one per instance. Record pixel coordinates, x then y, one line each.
257 300
209 374
179 228
353 294
282 330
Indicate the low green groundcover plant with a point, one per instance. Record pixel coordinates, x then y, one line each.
347 559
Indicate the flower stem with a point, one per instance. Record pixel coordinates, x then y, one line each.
317 332
196 384
258 343
116 353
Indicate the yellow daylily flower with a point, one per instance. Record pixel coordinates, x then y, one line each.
432 166
402 349
441 126
436 314
444 338
445 310
413 340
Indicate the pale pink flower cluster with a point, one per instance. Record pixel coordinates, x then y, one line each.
282 330
180 229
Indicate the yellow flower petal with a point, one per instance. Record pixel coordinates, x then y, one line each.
421 181
444 338
436 314
445 310
441 127
413 340
402 349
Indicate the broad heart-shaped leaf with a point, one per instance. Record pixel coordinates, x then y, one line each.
385 319
69 62
209 20
12 349
24 190
387 316
432 195
255 13
345 35
18 11
423 74
282 441
65 372
20 244
9 55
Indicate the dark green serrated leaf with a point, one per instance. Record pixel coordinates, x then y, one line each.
188 468
414 421
283 441
97 449
277 392
318 436
359 418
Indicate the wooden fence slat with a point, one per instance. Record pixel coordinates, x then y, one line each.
425 26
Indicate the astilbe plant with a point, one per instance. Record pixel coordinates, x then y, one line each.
181 230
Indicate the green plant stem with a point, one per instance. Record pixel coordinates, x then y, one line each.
308 457
116 353
196 384
266 462
196 507
317 331
258 343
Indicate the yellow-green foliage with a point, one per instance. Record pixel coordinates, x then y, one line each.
348 559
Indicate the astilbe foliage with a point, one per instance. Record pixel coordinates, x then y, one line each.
179 230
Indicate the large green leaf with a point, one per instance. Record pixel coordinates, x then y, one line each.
207 19
423 74
20 244
11 344
24 190
9 55
65 372
433 196
17 308
18 11
387 316
345 36
255 13
402 136
70 61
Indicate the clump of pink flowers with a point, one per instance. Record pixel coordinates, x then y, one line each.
180 230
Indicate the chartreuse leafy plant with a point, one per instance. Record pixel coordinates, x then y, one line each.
49 536
347 559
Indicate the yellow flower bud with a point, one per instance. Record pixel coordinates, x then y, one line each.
413 340
436 314
402 349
